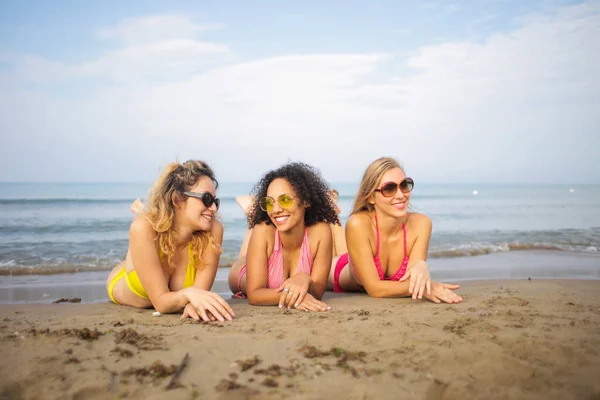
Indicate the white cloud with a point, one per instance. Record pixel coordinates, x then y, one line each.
155 28
519 106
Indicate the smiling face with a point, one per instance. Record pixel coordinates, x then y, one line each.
193 209
396 205
285 219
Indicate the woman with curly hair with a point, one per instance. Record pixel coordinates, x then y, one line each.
387 244
174 247
290 249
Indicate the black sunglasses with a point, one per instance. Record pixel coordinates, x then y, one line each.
207 198
389 189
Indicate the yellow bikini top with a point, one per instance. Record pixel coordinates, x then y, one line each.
133 281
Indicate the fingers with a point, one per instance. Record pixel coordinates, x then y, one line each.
450 286
428 286
282 298
301 297
185 314
225 305
221 312
202 313
419 286
211 308
293 299
433 298
405 276
191 313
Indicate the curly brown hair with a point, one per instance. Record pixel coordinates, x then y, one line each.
310 187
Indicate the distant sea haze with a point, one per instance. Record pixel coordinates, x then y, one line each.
67 227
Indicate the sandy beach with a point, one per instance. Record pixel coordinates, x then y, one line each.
518 339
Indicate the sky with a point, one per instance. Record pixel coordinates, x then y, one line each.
488 91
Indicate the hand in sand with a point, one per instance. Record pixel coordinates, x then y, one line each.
311 304
293 290
443 292
204 305
419 279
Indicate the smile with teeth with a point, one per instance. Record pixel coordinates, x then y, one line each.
399 205
281 219
207 216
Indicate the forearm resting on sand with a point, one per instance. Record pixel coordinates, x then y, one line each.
263 297
316 289
387 289
171 302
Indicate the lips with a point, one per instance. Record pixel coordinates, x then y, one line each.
281 219
208 216
399 205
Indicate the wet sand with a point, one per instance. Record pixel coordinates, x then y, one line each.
90 286
517 339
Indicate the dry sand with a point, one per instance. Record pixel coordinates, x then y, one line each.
535 339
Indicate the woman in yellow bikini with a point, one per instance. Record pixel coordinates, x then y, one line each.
174 248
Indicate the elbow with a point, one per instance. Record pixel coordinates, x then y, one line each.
374 292
252 299
161 308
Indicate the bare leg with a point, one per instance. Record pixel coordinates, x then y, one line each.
245 202
234 274
137 207
244 248
347 281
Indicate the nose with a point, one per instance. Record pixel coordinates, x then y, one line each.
276 207
213 207
399 190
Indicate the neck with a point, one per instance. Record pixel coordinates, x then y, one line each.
292 238
388 224
184 233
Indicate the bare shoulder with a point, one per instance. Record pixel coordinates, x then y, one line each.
420 222
359 221
217 228
263 230
141 227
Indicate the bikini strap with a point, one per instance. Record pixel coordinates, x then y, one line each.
277 245
305 262
404 230
377 231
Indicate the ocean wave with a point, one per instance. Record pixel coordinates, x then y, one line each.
482 249
64 200
75 227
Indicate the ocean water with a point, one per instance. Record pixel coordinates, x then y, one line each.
74 227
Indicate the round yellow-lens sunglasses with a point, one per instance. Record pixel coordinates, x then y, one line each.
267 203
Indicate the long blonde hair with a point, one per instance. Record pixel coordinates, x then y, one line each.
160 212
369 182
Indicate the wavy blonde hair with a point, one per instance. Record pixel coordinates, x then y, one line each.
369 182
160 212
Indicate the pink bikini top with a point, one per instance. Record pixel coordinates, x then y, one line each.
275 264
402 270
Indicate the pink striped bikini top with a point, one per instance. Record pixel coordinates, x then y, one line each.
275 263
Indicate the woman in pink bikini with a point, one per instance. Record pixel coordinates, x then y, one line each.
387 244
290 248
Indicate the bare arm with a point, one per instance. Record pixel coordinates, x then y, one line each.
421 225
205 277
321 261
358 232
256 263
144 254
